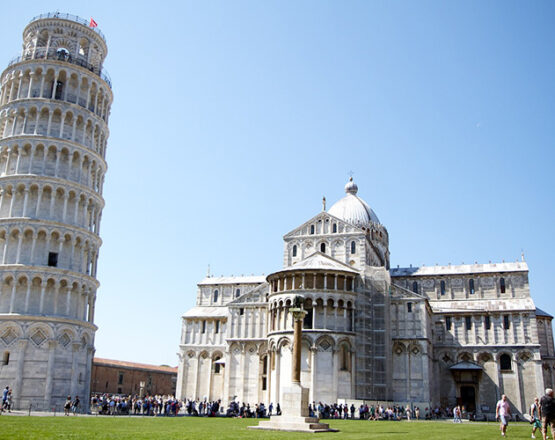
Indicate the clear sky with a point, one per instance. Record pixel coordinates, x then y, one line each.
231 120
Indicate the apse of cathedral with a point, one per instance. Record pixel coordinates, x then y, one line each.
426 336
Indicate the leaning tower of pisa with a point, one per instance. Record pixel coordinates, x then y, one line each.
54 105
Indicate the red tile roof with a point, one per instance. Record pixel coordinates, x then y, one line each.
135 365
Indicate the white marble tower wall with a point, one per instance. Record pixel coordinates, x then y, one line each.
54 106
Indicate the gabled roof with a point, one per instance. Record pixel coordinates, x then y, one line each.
406 292
255 295
319 261
465 365
321 215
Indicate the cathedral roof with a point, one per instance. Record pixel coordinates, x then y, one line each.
540 312
483 305
252 279
519 266
319 261
352 209
206 312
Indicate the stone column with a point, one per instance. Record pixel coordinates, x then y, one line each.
19 377
180 374
277 363
298 316
335 371
227 373
86 398
52 344
241 390
12 299
313 351
209 381
28 294
74 369
25 202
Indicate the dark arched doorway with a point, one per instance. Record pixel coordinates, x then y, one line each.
468 398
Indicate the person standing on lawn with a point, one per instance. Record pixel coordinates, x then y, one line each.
67 406
535 417
503 412
547 412
75 405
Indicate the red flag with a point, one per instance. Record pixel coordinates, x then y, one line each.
93 23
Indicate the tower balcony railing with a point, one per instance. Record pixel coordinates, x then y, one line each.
61 55
70 17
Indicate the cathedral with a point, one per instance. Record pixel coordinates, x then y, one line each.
428 336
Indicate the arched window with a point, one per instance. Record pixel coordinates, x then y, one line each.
295 250
334 228
505 362
59 89
215 296
307 321
217 365
237 293
323 248
442 287
415 287
312 229
471 286
502 285
353 247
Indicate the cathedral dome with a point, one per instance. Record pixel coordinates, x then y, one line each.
352 208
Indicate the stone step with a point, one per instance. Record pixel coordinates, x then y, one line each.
296 424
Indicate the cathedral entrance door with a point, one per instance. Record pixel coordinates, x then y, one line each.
468 398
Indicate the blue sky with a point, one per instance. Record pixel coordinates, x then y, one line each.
231 120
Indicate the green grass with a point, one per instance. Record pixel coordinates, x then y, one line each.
106 427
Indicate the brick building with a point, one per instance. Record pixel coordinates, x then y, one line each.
120 377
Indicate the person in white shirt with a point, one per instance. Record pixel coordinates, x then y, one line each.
503 412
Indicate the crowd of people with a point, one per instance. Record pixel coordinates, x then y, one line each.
113 404
157 405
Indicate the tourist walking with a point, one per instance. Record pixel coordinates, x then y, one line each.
75 405
503 412
5 398
535 417
547 412
457 414
67 406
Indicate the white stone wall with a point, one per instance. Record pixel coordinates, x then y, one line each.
54 108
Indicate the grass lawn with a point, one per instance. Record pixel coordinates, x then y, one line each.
98 428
